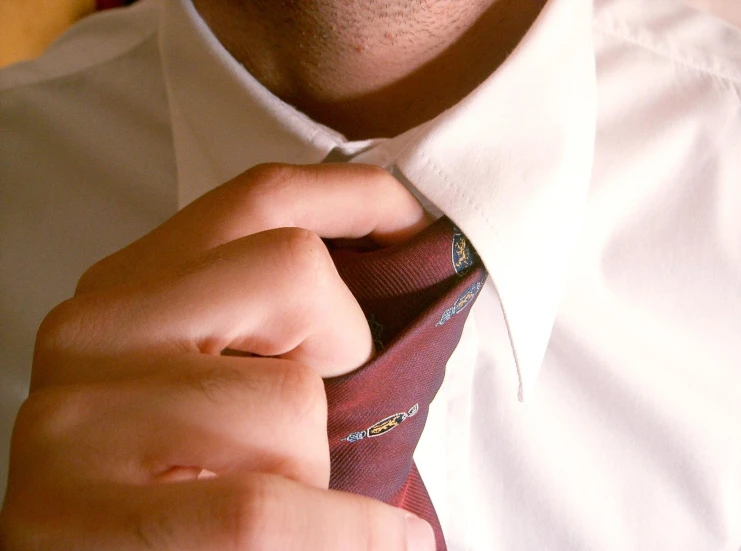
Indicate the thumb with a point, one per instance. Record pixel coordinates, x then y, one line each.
270 512
246 513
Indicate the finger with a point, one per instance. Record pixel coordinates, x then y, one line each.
248 513
268 512
221 415
275 293
331 200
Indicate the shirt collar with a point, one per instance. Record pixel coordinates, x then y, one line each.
510 164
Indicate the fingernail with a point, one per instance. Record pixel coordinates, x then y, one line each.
420 536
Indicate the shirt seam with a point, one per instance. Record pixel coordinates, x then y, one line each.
451 185
726 76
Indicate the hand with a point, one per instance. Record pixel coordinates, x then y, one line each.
139 434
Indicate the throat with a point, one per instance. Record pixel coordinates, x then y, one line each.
370 68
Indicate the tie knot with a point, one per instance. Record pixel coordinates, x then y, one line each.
395 284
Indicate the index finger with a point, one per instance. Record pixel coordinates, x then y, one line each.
270 512
332 200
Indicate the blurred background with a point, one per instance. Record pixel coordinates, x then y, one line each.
28 27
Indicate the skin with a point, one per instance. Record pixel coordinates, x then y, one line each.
370 68
144 436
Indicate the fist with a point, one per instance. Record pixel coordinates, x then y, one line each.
176 400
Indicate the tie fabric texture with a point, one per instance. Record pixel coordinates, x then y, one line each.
416 297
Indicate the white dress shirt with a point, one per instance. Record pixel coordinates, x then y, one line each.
594 402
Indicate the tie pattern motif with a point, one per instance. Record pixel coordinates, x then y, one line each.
416 297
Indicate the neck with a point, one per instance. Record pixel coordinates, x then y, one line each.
370 68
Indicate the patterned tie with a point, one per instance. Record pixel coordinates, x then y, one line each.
416 297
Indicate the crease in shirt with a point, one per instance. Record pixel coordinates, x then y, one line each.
622 30
56 63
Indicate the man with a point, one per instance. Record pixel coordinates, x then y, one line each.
603 208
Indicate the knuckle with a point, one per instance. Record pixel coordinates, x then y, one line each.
303 413
380 178
301 390
298 390
68 331
267 173
113 269
389 187
89 279
377 173
216 383
106 272
51 415
65 327
304 255
258 194
265 191
60 325
249 513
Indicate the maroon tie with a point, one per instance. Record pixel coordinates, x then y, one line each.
416 297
